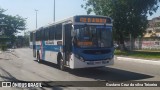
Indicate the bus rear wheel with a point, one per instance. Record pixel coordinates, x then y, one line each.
60 63
38 58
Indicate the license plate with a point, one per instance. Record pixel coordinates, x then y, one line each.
98 62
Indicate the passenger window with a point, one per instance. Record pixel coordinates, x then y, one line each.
58 32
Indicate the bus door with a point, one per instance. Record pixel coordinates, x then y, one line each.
67 42
34 44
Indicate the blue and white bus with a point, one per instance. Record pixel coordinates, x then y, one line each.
81 41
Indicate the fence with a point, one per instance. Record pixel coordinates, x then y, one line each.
147 43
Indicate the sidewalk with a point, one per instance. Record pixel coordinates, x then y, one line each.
4 55
152 61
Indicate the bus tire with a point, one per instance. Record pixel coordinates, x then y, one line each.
60 62
38 58
62 65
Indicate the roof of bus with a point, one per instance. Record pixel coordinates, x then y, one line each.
69 19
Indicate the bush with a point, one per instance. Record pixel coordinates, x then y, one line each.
3 47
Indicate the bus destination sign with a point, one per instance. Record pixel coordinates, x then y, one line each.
93 19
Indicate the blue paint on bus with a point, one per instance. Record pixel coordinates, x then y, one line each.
94 54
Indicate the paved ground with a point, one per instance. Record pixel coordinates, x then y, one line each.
147 61
20 65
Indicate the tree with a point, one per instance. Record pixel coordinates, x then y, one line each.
22 41
14 25
11 25
26 38
3 41
129 16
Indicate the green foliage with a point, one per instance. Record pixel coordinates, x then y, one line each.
3 42
140 54
2 10
129 16
10 25
13 24
22 41
26 38
3 47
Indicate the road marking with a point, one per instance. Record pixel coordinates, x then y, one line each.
139 60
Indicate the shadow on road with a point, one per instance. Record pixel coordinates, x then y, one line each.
104 73
48 64
4 59
109 74
6 75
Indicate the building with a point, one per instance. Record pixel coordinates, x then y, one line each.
153 29
151 39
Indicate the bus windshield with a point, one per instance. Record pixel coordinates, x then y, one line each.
93 36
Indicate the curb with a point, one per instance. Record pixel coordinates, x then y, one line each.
14 54
138 60
11 52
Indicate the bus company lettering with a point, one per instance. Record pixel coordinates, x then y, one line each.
22 85
49 42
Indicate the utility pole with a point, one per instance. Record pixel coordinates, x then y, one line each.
36 18
54 12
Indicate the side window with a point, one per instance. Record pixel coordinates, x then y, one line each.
42 34
46 34
58 32
37 35
51 33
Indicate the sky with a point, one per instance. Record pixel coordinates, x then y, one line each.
63 9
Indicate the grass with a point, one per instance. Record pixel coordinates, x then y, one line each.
146 54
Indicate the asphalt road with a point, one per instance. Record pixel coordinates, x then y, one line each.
20 65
